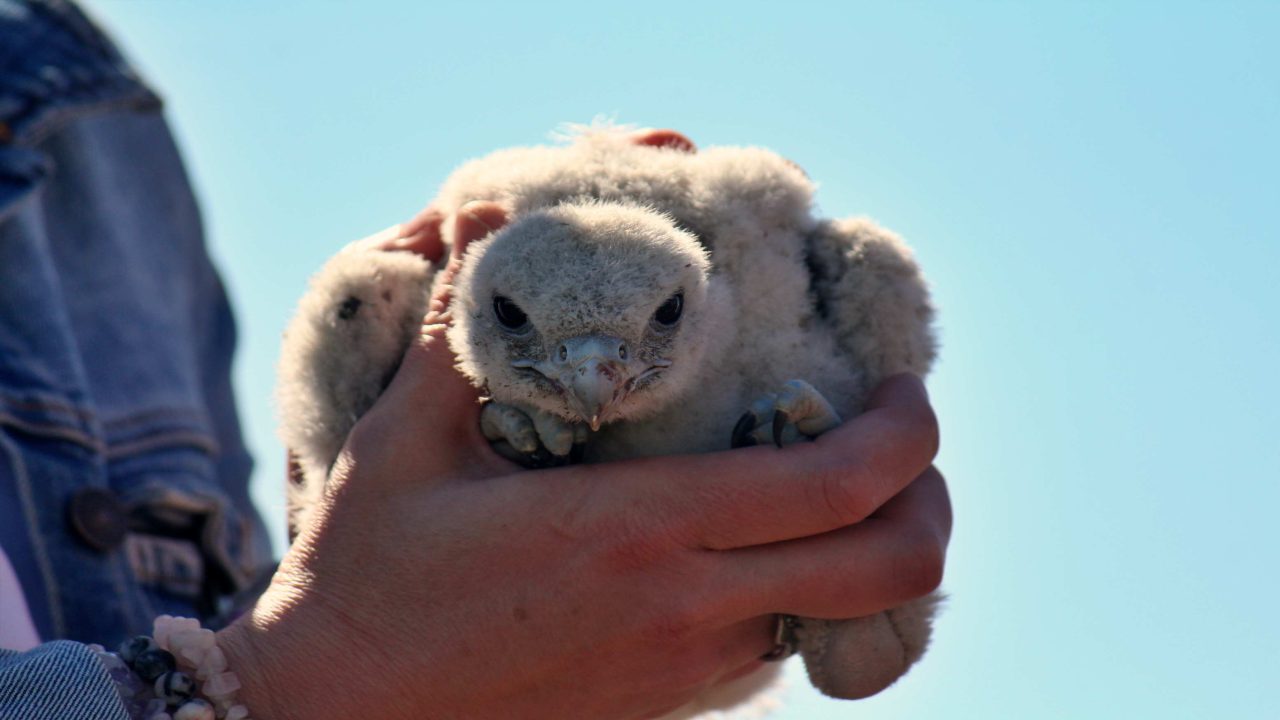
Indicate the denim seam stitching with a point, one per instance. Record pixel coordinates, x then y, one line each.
69 408
151 414
57 432
55 118
177 438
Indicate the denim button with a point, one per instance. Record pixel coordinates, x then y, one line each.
98 518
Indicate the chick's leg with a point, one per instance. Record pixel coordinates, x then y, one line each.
797 410
530 438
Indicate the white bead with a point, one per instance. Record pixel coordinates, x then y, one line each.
194 710
213 662
190 646
166 626
160 629
221 684
198 637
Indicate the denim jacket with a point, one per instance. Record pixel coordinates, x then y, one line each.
123 476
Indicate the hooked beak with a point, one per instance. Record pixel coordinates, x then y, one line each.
593 369
596 385
596 372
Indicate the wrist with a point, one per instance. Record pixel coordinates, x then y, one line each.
255 668
298 662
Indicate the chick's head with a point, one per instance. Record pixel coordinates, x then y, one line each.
591 311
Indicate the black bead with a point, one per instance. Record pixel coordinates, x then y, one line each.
154 663
130 649
175 687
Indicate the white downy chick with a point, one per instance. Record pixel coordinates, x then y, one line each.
587 311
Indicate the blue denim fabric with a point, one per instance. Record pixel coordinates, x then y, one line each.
116 340
26 692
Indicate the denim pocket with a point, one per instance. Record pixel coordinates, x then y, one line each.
188 547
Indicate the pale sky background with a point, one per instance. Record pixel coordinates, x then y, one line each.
1091 188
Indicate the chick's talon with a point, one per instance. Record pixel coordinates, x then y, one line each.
780 421
742 431
797 411
532 439
504 423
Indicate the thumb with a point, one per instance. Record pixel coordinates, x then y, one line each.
472 222
429 416
429 358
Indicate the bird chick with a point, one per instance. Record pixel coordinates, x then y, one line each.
582 315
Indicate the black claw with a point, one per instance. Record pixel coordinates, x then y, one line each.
780 420
539 459
742 431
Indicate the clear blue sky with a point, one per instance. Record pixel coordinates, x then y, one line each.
1092 189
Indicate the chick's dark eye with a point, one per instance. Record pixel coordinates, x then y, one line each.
509 315
669 312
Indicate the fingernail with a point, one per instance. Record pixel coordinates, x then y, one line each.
664 138
469 211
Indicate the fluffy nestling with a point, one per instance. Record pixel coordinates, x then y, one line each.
586 312
642 301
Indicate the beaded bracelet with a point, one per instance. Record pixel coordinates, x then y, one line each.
154 675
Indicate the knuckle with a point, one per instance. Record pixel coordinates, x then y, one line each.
840 497
921 571
915 431
931 431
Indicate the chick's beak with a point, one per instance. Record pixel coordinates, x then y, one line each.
594 371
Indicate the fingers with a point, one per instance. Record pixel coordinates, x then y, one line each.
931 506
420 235
472 222
893 556
429 361
762 495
